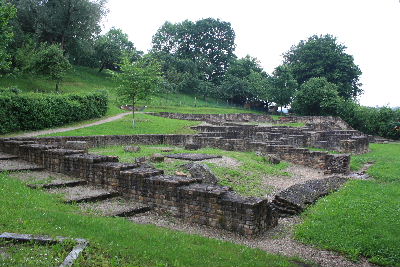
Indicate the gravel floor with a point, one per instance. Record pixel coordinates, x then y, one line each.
224 162
278 240
15 165
110 206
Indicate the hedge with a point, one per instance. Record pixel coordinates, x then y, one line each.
20 112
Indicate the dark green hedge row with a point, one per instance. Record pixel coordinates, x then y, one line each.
19 112
381 121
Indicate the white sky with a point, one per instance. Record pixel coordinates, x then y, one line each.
267 28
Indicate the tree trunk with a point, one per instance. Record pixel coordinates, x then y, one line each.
133 112
102 67
57 87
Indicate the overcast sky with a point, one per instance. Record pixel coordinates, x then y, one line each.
267 28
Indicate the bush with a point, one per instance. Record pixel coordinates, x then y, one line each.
317 96
19 112
376 121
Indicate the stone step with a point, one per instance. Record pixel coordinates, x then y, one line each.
78 194
18 165
93 198
4 156
117 207
284 212
58 184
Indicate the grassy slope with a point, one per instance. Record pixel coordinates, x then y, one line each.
116 241
246 179
363 218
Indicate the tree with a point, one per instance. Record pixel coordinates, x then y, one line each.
245 81
322 56
7 12
208 42
70 23
283 86
110 48
49 61
138 80
317 96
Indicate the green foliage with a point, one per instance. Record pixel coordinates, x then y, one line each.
138 80
50 62
39 111
245 81
117 241
111 47
322 56
208 42
7 12
70 23
317 96
283 86
375 121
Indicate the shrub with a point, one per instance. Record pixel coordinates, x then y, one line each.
316 96
19 112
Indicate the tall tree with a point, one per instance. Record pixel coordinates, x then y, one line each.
245 81
110 48
69 23
323 56
7 12
138 80
209 42
283 86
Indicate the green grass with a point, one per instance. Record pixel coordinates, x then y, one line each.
145 124
33 254
363 218
386 159
78 80
247 178
116 241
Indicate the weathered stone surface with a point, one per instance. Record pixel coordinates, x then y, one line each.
296 198
272 159
157 157
77 145
192 156
203 172
132 149
192 146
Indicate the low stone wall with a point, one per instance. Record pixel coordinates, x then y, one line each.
317 159
319 122
346 141
238 117
187 198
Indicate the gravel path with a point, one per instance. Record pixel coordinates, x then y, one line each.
58 130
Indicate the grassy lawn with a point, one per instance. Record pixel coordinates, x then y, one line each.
116 241
246 178
363 218
145 124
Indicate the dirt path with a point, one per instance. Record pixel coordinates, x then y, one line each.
65 129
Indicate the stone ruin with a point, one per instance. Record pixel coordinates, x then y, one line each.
190 198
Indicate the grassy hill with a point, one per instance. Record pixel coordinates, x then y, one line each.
83 79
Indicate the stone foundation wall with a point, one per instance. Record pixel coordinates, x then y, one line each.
292 153
346 141
187 198
238 117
